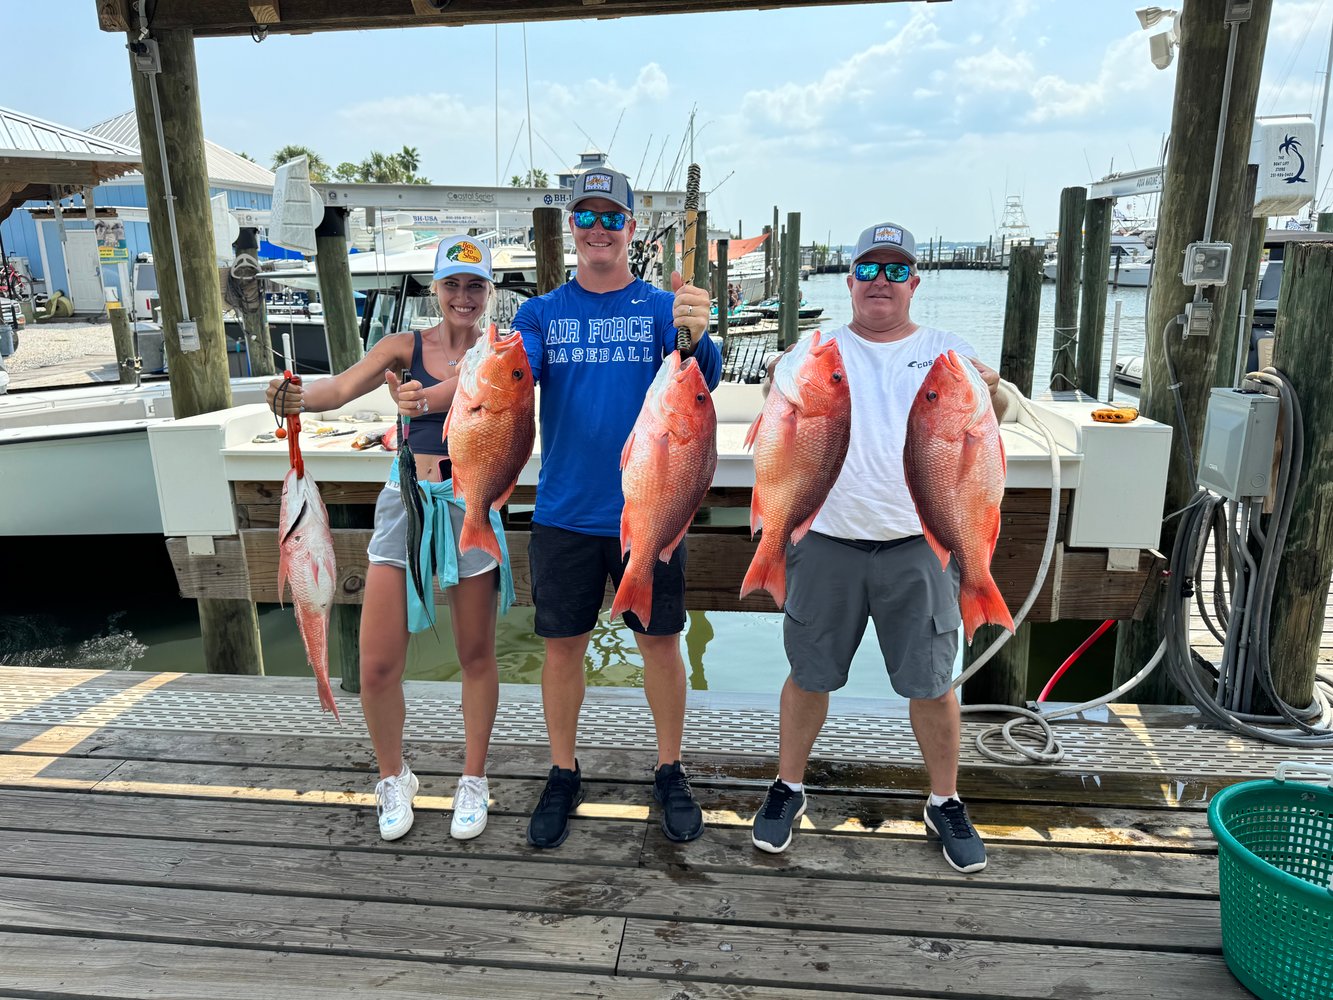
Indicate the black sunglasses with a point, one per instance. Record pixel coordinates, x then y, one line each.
893 272
611 221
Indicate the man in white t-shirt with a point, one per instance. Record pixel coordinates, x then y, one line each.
865 558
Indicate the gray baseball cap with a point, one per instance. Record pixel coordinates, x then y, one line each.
886 236
603 182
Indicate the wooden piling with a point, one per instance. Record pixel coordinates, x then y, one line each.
335 291
668 256
1004 679
200 379
700 275
1303 351
1324 222
790 302
1022 312
723 292
1234 226
1068 253
1186 182
768 260
126 359
1092 310
253 309
550 244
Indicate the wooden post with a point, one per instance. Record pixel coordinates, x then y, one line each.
253 309
1068 250
1234 227
1324 222
723 292
700 252
777 240
1092 312
126 360
335 291
768 260
1304 353
1255 253
1022 310
345 619
550 240
1201 64
791 285
1004 680
200 380
668 256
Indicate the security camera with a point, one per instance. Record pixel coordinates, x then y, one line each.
1149 16
1160 48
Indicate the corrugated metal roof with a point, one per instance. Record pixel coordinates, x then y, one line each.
225 168
25 134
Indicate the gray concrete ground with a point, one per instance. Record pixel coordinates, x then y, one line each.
75 351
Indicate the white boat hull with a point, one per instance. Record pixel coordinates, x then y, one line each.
1129 276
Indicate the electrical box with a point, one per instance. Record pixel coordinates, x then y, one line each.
1284 148
147 58
1206 264
1239 438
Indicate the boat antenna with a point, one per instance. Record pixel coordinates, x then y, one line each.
1323 116
646 147
615 131
497 122
517 135
527 93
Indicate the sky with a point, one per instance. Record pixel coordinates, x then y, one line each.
927 114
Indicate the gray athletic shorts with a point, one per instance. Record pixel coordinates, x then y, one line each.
834 586
388 543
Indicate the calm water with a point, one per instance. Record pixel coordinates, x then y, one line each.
137 622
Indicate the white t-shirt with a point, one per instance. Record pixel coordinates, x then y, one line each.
870 501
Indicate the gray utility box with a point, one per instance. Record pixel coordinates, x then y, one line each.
1239 438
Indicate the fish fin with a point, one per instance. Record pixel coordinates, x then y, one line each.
753 432
477 533
756 510
980 602
626 532
503 498
665 555
768 571
799 531
936 546
326 701
635 594
282 573
624 452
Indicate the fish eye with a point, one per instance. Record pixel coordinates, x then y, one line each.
517 374
837 376
700 397
932 395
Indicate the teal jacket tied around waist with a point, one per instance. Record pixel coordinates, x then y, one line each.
439 549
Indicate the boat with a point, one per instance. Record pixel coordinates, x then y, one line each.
1130 267
1129 371
805 312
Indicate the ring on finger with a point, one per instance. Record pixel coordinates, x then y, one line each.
689 309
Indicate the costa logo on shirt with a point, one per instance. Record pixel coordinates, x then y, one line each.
921 364
464 252
597 182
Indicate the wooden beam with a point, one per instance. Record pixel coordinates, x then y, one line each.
265 13
210 18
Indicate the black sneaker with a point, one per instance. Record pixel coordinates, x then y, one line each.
682 819
963 848
549 825
773 823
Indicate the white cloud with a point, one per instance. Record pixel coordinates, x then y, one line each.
1125 70
995 70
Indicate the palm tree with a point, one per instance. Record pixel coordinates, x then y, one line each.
533 178
318 168
346 171
410 158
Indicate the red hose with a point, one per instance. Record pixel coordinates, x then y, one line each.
1102 629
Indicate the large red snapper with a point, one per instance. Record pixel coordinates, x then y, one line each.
953 461
305 560
490 428
800 440
666 468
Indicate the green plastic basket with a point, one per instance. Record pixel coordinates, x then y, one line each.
1275 874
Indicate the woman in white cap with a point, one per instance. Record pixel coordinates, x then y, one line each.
462 285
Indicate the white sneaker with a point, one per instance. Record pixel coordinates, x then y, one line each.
471 803
393 802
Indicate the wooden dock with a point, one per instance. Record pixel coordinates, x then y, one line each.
197 836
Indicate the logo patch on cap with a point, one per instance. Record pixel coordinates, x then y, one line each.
597 182
887 234
464 253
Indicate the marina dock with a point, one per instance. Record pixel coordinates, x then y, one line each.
203 836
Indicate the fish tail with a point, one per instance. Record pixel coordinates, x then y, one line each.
768 571
314 629
326 701
478 534
981 602
635 594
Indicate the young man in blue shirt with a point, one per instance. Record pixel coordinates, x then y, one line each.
594 345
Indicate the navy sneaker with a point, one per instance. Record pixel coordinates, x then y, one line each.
963 848
773 823
549 825
682 819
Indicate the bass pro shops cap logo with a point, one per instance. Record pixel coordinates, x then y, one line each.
887 234
597 182
464 252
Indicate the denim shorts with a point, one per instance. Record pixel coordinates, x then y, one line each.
388 542
834 586
569 573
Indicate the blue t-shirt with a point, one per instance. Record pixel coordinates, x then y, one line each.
595 355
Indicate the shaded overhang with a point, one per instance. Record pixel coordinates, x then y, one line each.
37 174
247 17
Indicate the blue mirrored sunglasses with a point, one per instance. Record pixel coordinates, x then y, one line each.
893 272
613 221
